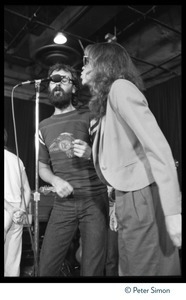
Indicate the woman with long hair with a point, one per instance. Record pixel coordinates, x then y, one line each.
132 155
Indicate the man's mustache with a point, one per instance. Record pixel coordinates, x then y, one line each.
57 88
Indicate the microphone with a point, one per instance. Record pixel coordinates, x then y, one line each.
54 78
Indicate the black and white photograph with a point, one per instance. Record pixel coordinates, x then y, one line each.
93 151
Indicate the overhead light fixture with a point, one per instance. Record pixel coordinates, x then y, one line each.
110 38
60 38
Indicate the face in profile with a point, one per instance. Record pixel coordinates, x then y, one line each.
86 74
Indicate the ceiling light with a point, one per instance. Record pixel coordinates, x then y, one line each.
60 38
110 38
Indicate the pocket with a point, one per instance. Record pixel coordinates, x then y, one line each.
128 165
143 205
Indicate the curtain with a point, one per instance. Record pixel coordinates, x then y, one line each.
24 112
165 103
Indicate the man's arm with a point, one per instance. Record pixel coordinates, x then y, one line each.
62 187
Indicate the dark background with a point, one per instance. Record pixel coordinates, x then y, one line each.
164 101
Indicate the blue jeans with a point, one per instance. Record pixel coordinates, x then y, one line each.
91 216
111 267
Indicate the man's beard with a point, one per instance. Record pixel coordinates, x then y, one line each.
61 100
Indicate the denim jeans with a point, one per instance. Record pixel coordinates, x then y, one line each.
91 216
111 266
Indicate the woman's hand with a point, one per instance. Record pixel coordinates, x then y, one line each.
113 220
173 224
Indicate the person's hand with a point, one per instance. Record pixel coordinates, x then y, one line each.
19 216
62 187
113 220
173 224
111 195
81 149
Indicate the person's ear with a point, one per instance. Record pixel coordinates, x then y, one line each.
73 89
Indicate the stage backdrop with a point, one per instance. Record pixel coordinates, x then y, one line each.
164 101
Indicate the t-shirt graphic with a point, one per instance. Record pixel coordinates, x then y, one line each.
63 143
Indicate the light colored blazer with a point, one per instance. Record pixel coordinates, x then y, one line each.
132 150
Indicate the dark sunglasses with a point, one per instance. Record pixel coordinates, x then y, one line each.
66 80
86 60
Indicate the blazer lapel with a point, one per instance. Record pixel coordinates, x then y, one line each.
95 146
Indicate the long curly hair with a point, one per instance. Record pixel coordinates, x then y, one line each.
110 61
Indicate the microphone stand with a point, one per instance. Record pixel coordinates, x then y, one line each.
36 193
